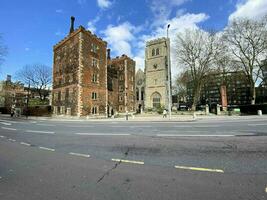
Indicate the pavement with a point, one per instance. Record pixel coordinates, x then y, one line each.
208 158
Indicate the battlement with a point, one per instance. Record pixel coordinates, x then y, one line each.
156 41
75 32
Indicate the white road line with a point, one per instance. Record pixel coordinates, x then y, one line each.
257 124
266 189
199 169
11 129
45 125
45 148
103 134
11 140
7 124
128 161
80 126
1 136
46 132
80 154
195 135
26 144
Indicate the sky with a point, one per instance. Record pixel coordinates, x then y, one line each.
30 28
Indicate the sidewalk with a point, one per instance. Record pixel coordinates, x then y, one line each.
139 118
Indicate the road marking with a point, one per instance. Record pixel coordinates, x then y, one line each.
194 135
80 126
266 189
12 140
1 136
26 144
128 161
257 124
103 134
45 148
45 125
199 169
11 129
7 124
46 132
79 154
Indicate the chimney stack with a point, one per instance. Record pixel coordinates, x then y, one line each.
108 56
72 24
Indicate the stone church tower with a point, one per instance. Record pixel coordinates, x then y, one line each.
156 72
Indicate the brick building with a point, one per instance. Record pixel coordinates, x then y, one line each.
86 81
121 84
80 74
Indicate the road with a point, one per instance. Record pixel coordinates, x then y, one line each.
217 158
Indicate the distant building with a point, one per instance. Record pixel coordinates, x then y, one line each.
12 93
226 89
140 90
156 73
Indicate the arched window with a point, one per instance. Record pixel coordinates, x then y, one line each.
157 51
156 99
153 52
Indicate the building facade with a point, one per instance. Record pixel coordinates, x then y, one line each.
80 74
225 89
140 90
121 84
156 73
86 81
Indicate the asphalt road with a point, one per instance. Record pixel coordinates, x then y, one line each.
204 159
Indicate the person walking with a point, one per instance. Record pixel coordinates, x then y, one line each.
164 113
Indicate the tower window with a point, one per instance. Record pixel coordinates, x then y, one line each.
157 51
153 52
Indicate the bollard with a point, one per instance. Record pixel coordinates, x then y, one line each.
194 115
260 112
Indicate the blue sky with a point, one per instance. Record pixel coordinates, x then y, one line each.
30 28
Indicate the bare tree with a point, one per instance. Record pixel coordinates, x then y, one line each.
181 85
247 41
38 76
196 51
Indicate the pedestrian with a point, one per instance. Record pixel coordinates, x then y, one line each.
12 112
164 113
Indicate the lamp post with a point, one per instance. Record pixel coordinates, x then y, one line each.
27 103
169 73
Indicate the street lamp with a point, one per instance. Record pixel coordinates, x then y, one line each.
169 73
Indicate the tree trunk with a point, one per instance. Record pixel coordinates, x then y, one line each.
253 95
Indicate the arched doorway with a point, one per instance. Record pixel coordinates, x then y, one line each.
156 98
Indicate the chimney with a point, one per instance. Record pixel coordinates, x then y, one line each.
8 78
108 56
72 24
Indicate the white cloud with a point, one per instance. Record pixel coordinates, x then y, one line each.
91 25
250 8
27 49
119 38
177 24
162 9
104 3
59 11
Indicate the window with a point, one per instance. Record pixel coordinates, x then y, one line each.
120 108
94 95
120 88
95 62
121 77
94 110
157 51
95 78
94 48
121 98
156 100
155 81
153 52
